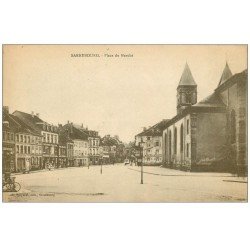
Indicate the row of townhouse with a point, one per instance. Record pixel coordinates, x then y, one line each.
209 135
29 143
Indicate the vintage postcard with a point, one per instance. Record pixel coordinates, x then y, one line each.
124 123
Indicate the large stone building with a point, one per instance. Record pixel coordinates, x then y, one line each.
210 134
151 142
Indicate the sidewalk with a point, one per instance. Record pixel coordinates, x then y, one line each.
46 170
161 171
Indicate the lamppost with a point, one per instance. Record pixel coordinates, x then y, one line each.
101 164
141 147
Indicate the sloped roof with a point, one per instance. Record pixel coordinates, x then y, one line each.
155 130
64 138
75 133
11 125
212 100
23 127
226 74
29 120
187 77
236 78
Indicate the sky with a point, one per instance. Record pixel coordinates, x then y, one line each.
113 95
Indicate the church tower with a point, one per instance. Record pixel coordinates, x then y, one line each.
186 90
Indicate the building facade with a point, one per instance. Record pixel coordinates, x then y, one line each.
8 152
49 134
151 142
28 147
80 144
93 144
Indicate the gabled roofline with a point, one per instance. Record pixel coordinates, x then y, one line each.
232 80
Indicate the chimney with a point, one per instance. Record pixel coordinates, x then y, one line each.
37 114
32 113
68 121
82 125
71 127
6 109
144 128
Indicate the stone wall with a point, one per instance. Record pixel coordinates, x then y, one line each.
211 142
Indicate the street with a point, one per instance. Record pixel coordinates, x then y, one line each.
119 183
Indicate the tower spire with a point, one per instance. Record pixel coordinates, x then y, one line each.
187 77
186 90
226 74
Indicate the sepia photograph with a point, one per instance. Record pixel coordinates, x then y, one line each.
124 123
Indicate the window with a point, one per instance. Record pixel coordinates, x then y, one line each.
25 139
233 127
17 138
8 136
28 149
187 149
169 143
148 138
4 136
28 139
181 138
156 143
187 127
44 137
17 149
175 140
21 149
52 140
25 149
188 97
21 138
48 138
165 144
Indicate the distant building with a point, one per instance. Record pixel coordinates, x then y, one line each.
80 144
113 150
151 141
209 135
93 144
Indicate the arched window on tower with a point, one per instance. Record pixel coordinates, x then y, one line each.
181 138
175 140
233 127
188 97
